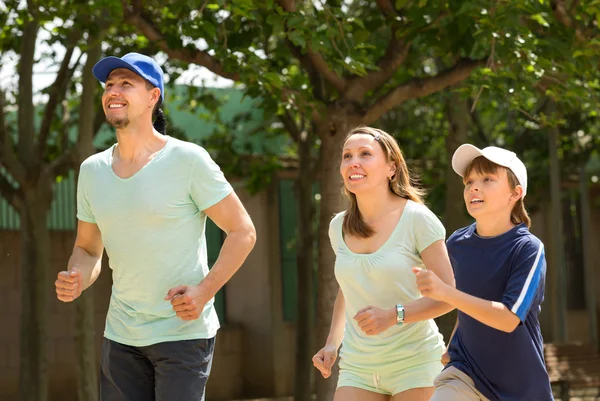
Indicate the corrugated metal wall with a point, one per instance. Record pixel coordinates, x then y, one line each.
62 214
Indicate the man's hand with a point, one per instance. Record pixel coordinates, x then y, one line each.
69 285
430 285
188 301
373 320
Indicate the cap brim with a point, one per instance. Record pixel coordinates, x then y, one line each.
463 156
104 67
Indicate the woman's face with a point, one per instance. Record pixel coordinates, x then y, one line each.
364 166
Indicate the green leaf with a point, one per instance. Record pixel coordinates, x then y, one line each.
539 18
400 4
297 38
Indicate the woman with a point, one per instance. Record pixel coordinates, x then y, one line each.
391 346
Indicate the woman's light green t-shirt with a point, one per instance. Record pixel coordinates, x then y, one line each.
384 279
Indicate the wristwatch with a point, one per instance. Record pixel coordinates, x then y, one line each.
399 314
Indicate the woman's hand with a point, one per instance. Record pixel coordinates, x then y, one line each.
373 320
324 360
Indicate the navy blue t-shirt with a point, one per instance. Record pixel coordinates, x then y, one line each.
509 268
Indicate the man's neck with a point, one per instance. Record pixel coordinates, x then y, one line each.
135 142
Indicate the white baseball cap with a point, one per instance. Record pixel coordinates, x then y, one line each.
465 154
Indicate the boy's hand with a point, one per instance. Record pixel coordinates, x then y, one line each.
430 285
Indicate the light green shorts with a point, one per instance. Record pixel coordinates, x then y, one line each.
391 383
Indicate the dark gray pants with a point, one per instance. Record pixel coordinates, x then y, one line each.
176 370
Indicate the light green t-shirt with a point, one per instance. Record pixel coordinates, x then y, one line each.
384 279
152 225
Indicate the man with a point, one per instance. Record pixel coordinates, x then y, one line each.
146 200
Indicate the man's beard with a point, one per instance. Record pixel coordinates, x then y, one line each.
118 123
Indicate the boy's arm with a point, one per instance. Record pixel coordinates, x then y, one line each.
491 313
523 282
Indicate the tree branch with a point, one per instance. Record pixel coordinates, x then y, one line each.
387 8
313 75
480 130
290 125
134 17
64 134
62 163
416 88
10 193
562 15
99 119
394 57
8 156
330 75
315 59
57 93
288 5
25 97
301 103
85 128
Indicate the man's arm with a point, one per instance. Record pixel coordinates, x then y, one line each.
231 217
84 264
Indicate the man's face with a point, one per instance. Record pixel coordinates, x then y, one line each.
126 98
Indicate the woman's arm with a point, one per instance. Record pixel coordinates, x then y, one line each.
435 257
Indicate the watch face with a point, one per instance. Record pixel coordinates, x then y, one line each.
400 313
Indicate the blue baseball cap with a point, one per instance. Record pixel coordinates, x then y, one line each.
142 65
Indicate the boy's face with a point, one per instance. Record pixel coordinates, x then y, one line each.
489 194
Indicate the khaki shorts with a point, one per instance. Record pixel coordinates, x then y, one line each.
453 384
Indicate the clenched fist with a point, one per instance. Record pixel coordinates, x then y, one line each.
430 285
373 320
188 301
69 285
324 360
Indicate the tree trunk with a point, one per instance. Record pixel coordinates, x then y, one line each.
557 240
305 262
87 366
35 258
87 372
457 113
331 202
588 267
455 217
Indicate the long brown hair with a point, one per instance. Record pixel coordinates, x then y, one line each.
482 166
400 184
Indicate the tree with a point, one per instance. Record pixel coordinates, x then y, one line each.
271 46
341 64
34 155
